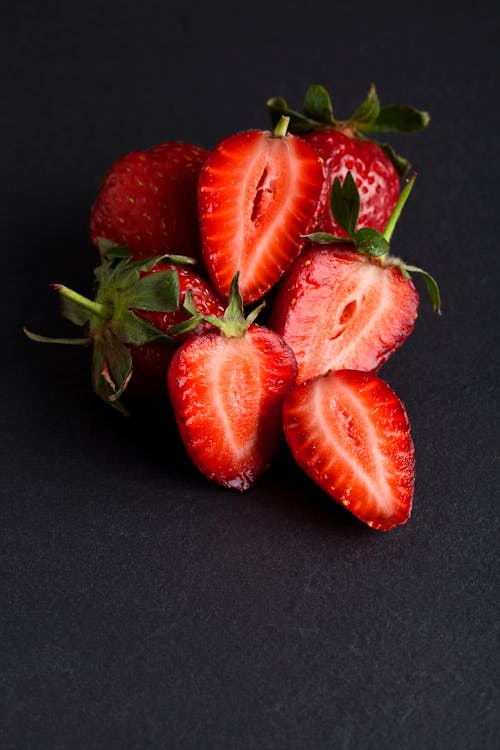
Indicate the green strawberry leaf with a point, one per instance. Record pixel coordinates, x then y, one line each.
366 114
318 105
111 250
371 242
50 340
129 328
430 283
278 107
111 370
401 165
325 238
74 312
344 202
399 118
158 291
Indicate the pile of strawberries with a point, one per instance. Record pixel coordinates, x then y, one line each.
299 219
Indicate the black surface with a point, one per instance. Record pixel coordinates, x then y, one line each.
143 607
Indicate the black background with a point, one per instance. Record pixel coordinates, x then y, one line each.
143 607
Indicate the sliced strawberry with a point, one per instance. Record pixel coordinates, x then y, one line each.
227 389
350 433
340 309
257 194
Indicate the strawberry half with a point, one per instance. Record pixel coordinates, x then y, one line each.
227 389
350 433
348 308
147 201
135 322
344 146
257 194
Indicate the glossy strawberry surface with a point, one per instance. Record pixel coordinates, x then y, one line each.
147 201
257 195
227 394
373 172
350 433
340 309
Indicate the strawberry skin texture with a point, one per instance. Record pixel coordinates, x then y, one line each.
227 395
147 201
151 360
257 194
373 172
338 309
350 433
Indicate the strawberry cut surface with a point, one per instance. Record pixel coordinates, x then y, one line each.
257 195
227 395
339 309
350 433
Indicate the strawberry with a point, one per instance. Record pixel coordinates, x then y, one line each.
348 309
257 193
350 433
344 147
147 201
227 389
135 322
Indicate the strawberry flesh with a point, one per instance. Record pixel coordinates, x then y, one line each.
227 394
339 309
350 433
147 201
257 194
373 172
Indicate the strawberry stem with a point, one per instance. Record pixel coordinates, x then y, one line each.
282 127
393 219
95 308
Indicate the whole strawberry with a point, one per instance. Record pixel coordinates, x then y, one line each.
147 201
344 146
257 193
227 389
135 322
348 304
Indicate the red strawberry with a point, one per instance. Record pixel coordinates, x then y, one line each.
343 147
151 360
350 433
227 389
348 309
135 323
147 201
257 193
342 310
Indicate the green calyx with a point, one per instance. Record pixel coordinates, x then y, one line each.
345 205
111 321
233 324
369 118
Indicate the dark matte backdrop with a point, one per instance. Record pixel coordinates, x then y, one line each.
143 607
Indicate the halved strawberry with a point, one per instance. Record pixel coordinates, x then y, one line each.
350 433
257 194
227 389
348 308
338 309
